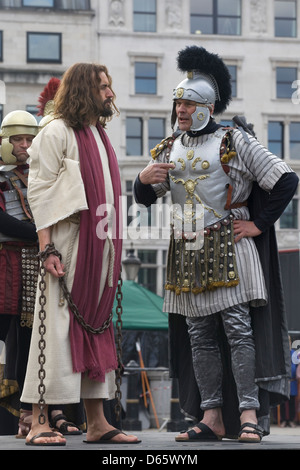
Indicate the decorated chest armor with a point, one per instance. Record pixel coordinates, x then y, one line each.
205 258
197 175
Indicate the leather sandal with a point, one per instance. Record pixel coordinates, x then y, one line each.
63 428
206 434
254 429
43 435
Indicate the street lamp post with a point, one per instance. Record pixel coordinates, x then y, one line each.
131 265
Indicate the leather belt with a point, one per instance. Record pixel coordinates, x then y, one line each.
10 247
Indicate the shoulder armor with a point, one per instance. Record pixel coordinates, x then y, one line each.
165 143
228 149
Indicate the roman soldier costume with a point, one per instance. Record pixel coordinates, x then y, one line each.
222 174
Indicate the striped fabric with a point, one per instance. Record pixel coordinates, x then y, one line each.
253 162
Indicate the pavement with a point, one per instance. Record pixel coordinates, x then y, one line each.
158 447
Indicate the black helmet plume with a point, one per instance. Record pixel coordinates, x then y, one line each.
199 59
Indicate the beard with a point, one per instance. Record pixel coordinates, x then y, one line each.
107 111
103 108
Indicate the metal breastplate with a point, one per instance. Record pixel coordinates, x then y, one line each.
198 183
197 263
13 204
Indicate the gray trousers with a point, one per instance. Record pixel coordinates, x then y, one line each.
207 359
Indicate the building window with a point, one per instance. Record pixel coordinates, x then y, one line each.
33 109
144 16
57 4
44 47
285 18
295 140
227 123
148 271
145 78
38 3
275 138
285 76
216 17
134 136
233 73
156 132
143 134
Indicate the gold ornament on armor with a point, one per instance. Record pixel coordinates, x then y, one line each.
179 92
189 186
190 154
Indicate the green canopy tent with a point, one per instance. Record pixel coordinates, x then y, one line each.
143 322
142 309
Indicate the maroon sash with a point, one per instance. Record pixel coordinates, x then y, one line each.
95 353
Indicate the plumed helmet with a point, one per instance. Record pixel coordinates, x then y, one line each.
46 102
208 82
18 122
46 98
15 123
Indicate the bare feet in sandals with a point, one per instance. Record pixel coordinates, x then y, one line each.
250 431
42 434
210 427
60 424
98 426
110 435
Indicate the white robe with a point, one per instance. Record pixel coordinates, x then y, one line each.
56 192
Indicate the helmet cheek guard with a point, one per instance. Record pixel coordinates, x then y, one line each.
6 152
200 118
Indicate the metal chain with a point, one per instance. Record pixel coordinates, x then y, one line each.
79 318
42 344
50 249
119 323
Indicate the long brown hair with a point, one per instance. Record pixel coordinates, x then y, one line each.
75 98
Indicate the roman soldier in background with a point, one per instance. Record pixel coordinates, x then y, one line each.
18 264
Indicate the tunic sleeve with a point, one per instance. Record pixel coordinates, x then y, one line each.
257 163
55 186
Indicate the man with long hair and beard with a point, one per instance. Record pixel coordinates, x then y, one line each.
74 171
